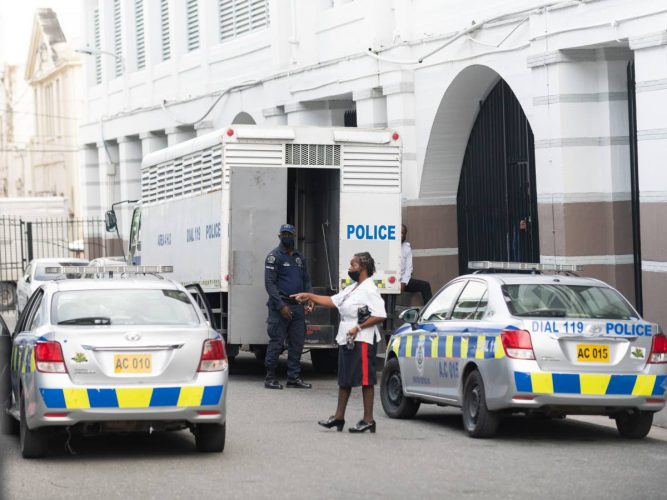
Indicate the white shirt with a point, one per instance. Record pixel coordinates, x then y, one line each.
406 262
349 300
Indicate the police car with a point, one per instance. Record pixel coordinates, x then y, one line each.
502 343
117 355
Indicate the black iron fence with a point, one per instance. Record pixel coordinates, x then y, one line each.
22 241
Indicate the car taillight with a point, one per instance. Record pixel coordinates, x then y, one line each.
517 344
49 358
658 349
213 356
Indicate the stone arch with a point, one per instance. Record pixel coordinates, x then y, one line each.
243 118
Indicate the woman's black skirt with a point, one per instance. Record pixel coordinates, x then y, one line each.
357 366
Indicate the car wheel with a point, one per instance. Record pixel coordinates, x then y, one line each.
394 402
478 421
210 438
635 424
7 296
32 441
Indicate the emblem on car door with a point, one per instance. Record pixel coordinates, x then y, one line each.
133 337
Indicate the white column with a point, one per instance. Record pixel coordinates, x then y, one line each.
176 135
371 108
651 89
151 141
90 181
129 166
400 99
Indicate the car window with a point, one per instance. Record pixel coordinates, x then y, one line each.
441 305
572 301
123 307
469 300
35 317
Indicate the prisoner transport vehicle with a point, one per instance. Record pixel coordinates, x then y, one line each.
212 207
510 342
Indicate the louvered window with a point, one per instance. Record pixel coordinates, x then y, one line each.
193 24
139 27
238 17
97 41
312 154
164 29
117 39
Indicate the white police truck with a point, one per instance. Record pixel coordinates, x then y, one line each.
212 207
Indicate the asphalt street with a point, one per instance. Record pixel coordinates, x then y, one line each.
275 449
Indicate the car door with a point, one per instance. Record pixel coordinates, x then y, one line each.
23 288
5 356
467 336
23 338
426 344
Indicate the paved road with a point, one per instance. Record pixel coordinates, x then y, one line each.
276 450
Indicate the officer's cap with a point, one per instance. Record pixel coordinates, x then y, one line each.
288 228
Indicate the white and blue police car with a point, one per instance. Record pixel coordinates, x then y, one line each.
501 343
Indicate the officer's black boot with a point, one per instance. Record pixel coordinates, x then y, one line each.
271 382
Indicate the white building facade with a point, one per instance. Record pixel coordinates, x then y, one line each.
164 71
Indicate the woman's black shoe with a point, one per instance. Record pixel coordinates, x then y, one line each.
332 422
363 427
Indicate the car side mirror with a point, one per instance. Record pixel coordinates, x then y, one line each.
110 221
410 315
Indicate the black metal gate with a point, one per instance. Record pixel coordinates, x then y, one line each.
497 200
22 241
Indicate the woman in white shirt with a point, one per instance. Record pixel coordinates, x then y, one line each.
356 363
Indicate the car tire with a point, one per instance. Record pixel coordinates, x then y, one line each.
394 402
324 361
7 296
210 438
32 441
635 424
478 420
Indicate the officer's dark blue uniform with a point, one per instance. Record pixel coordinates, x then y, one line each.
285 275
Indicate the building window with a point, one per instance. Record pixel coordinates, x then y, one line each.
238 17
192 16
97 41
117 39
164 29
139 30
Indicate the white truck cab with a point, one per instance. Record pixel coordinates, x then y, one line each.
212 208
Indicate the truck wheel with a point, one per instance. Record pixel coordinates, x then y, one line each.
7 296
635 424
32 442
324 360
478 421
394 402
210 438
260 353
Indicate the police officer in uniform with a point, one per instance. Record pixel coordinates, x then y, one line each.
285 274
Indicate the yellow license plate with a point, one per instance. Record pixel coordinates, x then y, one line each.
593 353
133 363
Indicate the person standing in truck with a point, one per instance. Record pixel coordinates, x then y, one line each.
408 283
285 274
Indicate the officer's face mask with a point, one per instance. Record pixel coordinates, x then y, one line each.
354 275
287 241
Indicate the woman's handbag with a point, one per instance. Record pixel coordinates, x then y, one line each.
363 314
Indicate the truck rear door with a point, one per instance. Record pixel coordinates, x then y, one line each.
258 207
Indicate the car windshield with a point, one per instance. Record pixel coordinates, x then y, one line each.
123 307
566 301
41 274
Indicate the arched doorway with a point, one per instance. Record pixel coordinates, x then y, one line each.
497 199
243 118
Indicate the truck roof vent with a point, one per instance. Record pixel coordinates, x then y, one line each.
317 155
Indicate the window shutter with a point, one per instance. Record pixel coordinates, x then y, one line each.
97 41
117 38
193 24
238 17
139 28
164 29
